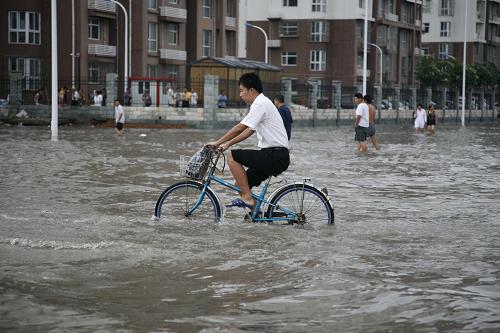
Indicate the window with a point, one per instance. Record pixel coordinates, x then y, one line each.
152 71
289 3
289 29
29 69
361 4
446 7
94 28
445 29
426 28
318 31
318 60
152 37
231 8
24 28
173 2
443 50
207 43
288 58
207 8
319 5
172 34
230 43
152 4
424 51
94 72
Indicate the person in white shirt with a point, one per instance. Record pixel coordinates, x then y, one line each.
420 119
119 118
273 157
98 99
362 123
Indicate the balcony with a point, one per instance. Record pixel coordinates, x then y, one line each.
230 22
173 12
170 54
495 20
496 39
274 43
102 50
359 72
102 5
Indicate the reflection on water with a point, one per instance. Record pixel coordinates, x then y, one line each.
415 247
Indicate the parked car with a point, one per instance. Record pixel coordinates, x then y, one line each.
386 105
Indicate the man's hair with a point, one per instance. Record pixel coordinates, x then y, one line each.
117 100
280 98
251 80
358 95
368 99
419 105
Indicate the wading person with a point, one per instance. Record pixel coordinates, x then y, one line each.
362 123
119 118
420 119
431 119
286 115
272 158
372 112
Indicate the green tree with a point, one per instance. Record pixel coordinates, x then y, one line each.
428 72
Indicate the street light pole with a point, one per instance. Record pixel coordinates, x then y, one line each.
464 64
365 47
381 62
265 39
53 28
125 67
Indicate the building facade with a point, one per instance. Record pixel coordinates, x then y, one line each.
444 30
164 37
323 40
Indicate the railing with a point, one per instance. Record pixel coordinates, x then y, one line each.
495 20
102 50
102 5
171 54
391 17
179 13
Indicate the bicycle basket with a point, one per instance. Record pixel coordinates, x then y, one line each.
198 164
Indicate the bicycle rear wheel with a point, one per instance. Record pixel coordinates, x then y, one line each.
178 201
310 204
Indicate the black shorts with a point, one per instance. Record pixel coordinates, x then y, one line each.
119 126
371 130
361 134
261 164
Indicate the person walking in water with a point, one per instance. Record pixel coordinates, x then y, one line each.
372 116
420 119
431 120
362 123
286 115
119 118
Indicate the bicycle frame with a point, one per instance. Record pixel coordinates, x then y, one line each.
259 199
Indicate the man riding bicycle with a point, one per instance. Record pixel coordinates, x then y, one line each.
273 157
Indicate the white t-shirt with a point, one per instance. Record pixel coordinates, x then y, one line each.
118 111
362 110
265 119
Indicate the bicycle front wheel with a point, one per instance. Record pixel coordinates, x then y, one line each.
180 201
310 205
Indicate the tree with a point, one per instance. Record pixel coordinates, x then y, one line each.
428 72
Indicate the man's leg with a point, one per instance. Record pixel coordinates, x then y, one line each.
241 179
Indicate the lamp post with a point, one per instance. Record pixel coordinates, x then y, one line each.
365 47
126 74
379 50
265 39
464 64
53 28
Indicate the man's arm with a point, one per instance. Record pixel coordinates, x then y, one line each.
241 137
230 135
358 118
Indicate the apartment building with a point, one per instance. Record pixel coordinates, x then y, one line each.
164 37
444 29
323 40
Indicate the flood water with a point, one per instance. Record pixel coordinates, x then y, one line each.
415 246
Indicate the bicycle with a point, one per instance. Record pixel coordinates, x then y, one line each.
294 203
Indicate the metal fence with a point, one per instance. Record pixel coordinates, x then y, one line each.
300 94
